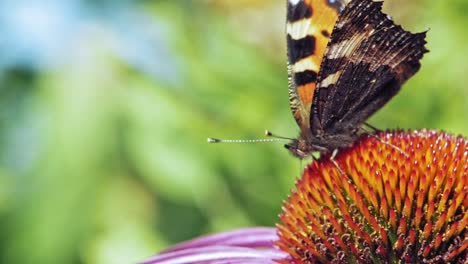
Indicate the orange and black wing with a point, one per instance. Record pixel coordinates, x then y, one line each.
309 25
366 61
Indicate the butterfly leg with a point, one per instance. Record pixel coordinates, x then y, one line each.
372 127
332 159
384 142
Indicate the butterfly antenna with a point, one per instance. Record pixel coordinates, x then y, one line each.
267 133
216 140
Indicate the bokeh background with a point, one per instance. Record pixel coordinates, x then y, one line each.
105 107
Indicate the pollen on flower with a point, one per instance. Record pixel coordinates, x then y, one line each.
388 206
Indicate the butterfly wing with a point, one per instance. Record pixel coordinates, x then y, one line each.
366 61
309 24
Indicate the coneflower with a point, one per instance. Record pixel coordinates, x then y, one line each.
383 205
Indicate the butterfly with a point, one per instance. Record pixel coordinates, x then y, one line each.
346 60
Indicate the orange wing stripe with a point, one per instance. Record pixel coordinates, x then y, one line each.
310 23
306 92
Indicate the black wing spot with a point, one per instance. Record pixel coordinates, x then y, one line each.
300 48
325 33
299 11
305 77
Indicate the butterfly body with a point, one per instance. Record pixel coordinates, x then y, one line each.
305 144
346 60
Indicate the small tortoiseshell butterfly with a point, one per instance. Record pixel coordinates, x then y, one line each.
346 60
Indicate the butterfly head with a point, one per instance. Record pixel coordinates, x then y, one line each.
300 148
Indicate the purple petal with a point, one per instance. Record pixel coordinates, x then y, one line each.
218 255
255 237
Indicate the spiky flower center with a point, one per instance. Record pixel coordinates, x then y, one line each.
388 206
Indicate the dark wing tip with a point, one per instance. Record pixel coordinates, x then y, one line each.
371 58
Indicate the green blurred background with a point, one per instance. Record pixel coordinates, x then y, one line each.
105 107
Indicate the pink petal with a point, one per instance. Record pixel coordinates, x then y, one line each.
255 237
218 255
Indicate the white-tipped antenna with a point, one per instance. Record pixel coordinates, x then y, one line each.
215 140
267 133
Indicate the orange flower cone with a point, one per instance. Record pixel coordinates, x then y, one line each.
388 207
